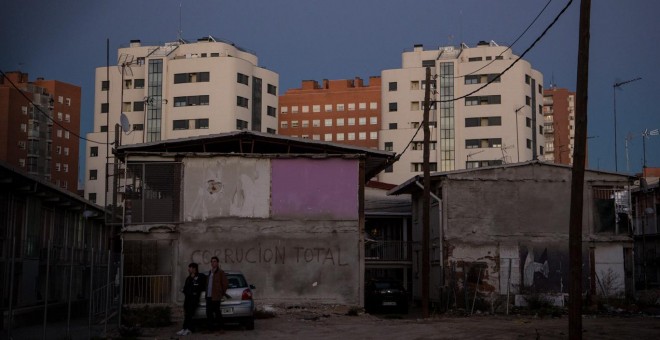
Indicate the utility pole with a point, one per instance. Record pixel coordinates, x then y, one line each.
577 178
426 200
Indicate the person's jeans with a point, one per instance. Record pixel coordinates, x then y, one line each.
213 313
188 313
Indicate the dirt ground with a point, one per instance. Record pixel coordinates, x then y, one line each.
333 323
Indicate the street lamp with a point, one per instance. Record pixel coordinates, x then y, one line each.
614 87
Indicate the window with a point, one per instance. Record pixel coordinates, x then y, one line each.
428 63
541 129
242 101
94 151
128 83
138 106
105 85
316 123
138 127
362 135
528 100
67 118
271 131
393 107
284 125
483 121
483 100
181 124
24 127
351 106
272 89
482 78
126 107
373 106
483 143
284 109
66 134
191 100
21 162
271 111
241 124
362 106
92 197
305 109
60 115
68 101
373 135
294 109
328 137
540 88
327 122
340 121
351 121
93 174
373 120
195 77
305 123
392 86
21 144
340 136
242 79
103 128
499 57
414 106
58 150
65 167
202 123
393 126
328 108
418 167
139 84
389 146
66 151
528 122
351 136
475 59
362 121
316 137
294 123
527 79
104 107
316 108
414 85
340 107
57 166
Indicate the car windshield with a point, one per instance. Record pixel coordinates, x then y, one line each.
236 281
386 285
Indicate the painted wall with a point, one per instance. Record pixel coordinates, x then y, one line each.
290 225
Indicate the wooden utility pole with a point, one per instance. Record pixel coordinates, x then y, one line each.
426 199
577 179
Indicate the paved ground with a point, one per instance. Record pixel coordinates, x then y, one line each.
332 323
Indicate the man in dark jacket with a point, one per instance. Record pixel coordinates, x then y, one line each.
192 290
215 289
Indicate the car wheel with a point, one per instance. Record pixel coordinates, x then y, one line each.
249 323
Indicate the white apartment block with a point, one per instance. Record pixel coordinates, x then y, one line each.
500 124
177 90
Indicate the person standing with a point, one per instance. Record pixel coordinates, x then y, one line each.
215 289
192 290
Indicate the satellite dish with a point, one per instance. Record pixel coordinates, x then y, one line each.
125 125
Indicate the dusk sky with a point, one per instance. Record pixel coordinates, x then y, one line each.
336 39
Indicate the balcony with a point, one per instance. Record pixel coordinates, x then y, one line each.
378 251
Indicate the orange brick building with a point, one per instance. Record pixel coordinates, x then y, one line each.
44 146
344 111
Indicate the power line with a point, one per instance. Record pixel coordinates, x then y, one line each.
397 157
510 46
38 107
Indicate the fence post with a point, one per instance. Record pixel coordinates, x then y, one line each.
107 295
48 250
121 285
68 313
11 287
91 289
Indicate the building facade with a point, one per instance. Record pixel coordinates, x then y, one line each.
343 111
469 129
558 125
176 90
39 128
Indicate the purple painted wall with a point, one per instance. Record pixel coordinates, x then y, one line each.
325 189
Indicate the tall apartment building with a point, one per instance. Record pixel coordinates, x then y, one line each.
558 125
176 90
343 111
499 124
39 133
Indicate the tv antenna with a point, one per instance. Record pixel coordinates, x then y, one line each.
180 32
124 63
467 159
505 156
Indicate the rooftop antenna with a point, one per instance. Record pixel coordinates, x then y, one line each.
505 155
180 33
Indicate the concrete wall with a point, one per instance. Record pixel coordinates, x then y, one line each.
290 225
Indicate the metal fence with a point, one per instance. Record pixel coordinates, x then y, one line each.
388 250
147 289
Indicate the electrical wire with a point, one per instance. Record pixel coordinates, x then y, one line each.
38 107
510 46
554 21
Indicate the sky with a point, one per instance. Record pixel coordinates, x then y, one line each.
342 39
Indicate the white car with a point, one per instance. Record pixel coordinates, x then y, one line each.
237 305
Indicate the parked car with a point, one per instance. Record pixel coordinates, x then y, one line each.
385 295
238 305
